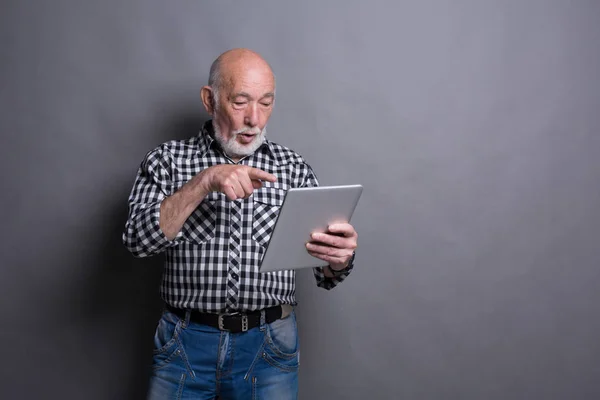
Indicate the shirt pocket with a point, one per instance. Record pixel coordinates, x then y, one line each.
200 227
267 203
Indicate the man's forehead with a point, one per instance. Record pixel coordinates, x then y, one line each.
258 87
239 75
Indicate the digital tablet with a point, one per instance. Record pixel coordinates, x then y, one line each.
304 211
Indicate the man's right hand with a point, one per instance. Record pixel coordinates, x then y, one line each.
235 181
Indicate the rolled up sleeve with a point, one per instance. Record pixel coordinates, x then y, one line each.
142 235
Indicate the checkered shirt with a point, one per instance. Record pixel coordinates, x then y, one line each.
212 263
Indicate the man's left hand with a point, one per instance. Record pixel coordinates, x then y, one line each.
334 246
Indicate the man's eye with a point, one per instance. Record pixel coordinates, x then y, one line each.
266 104
239 103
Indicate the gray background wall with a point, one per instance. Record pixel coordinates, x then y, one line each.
473 125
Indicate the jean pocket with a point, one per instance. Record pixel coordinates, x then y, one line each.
267 203
166 342
200 227
282 344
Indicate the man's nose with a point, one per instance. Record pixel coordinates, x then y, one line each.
251 117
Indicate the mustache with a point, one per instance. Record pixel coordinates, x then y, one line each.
252 131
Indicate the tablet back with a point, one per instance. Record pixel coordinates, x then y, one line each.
306 210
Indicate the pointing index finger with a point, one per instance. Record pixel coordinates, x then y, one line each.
255 173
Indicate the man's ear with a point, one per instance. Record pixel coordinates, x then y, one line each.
208 99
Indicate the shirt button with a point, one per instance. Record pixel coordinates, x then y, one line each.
234 276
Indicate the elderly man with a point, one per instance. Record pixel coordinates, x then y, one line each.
209 203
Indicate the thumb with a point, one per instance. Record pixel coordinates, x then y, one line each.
256 184
340 228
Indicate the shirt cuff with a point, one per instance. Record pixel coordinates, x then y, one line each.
329 283
151 238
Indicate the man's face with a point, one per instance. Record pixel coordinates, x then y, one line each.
242 110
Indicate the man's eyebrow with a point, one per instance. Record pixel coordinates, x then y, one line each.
249 97
242 94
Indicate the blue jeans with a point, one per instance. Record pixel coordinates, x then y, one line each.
195 361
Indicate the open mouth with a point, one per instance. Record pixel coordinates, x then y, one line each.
246 137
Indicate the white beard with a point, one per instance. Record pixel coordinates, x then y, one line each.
235 149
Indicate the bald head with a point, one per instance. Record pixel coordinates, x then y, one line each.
233 64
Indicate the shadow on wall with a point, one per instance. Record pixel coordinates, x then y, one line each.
121 290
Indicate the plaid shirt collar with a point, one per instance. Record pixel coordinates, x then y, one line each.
206 141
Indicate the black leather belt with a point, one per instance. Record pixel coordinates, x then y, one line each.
230 322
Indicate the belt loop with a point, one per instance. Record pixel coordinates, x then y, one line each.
263 320
186 319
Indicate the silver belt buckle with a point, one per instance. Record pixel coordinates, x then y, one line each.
221 324
244 321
